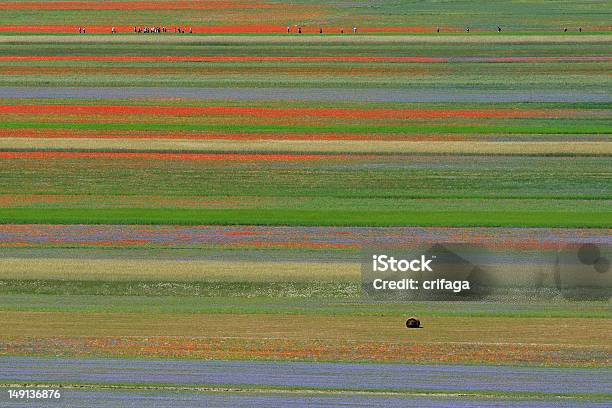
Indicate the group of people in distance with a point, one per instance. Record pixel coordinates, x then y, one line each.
162 29
147 30
298 29
499 29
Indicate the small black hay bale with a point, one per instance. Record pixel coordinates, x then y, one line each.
413 323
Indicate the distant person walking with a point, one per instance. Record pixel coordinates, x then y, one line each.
499 30
354 30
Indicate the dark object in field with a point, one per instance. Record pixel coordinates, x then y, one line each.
413 323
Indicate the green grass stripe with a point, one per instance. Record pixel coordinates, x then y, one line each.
331 299
585 128
306 217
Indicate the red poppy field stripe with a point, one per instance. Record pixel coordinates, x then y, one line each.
168 156
211 29
220 29
105 29
114 110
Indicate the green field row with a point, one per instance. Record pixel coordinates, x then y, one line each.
490 82
147 297
370 176
308 218
304 203
206 46
590 126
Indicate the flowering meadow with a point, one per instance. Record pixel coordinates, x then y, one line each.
198 180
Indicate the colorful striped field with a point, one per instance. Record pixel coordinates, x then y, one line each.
210 195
